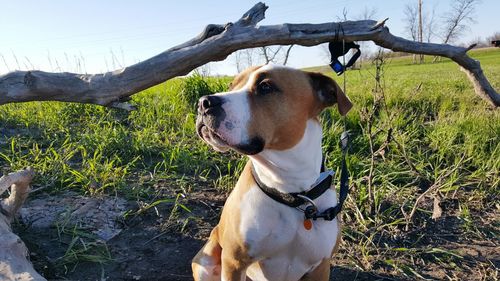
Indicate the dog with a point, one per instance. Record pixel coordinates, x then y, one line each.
270 114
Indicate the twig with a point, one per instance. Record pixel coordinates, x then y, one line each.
155 237
40 188
408 161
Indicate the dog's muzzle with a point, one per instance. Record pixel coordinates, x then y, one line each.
210 116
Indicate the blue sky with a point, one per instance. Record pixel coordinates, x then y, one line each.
99 35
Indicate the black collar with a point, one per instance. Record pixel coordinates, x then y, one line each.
323 184
295 199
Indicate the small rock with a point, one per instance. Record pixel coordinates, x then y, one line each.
97 214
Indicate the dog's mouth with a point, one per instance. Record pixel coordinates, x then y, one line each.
220 143
211 137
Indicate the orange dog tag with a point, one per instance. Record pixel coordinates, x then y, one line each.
308 224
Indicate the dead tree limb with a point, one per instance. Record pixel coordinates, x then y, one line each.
215 43
19 183
14 264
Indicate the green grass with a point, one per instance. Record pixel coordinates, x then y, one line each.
442 134
94 149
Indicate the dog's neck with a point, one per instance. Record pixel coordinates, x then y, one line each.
295 169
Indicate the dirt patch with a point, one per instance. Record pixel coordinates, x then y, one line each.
151 245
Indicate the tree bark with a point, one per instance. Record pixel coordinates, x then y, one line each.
14 264
215 43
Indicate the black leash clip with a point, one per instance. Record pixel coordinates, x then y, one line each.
311 211
340 48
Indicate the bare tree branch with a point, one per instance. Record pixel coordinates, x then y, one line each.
287 54
264 53
269 53
216 43
277 55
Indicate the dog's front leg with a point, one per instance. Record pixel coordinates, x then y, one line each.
207 263
233 268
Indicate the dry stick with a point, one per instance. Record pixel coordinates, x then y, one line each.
436 185
215 43
381 150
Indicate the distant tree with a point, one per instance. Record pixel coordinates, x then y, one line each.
483 42
244 58
277 54
204 70
420 28
262 55
430 25
458 19
494 36
367 13
411 23
480 42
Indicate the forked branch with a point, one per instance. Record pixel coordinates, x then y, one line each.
215 43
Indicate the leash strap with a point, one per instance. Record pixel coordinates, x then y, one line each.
331 213
344 142
344 173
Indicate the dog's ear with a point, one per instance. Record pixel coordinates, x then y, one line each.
329 92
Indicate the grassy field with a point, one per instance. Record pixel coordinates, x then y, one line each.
420 130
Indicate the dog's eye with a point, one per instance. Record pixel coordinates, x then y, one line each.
265 87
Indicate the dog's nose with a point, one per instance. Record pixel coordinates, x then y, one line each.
207 102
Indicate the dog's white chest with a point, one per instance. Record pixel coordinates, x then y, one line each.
276 237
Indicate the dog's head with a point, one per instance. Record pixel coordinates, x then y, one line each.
266 107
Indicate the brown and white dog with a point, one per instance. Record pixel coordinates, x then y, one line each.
271 115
